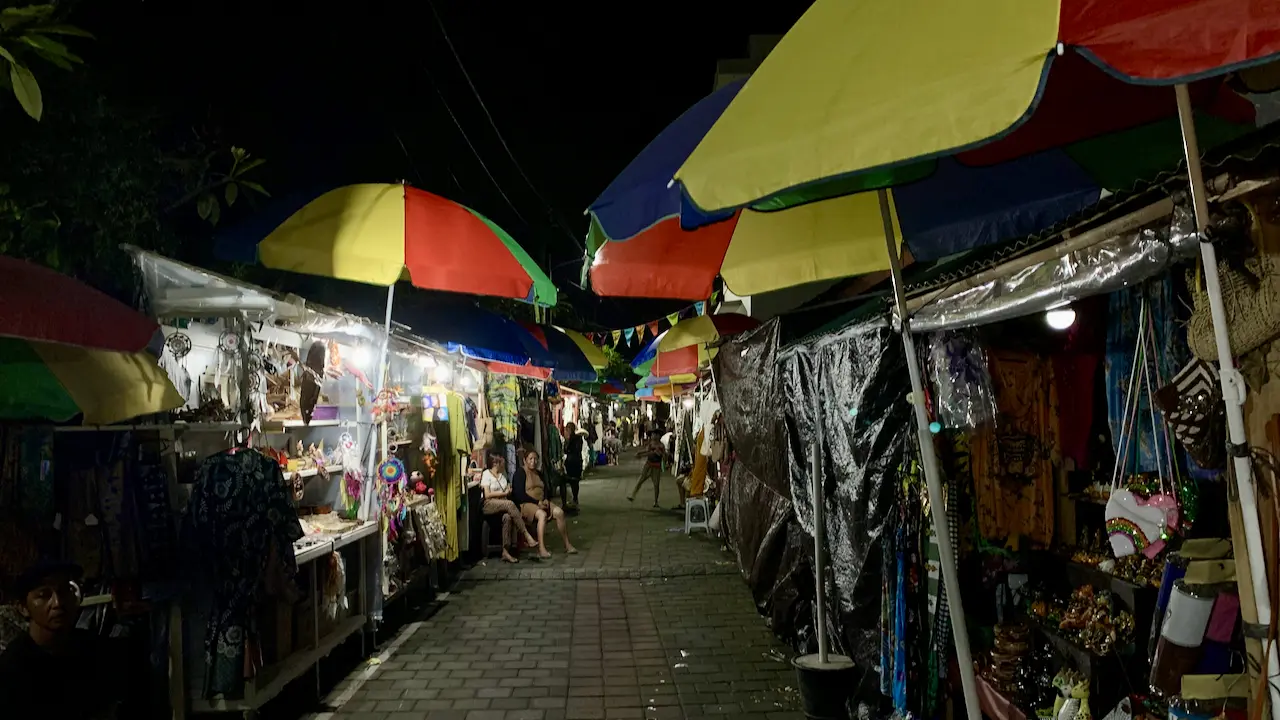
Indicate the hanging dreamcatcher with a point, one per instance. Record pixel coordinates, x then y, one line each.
229 342
385 405
392 471
179 344
352 478
395 507
255 362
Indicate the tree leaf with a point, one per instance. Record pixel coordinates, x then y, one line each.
7 55
217 211
27 90
255 187
48 47
242 169
65 30
57 60
205 205
232 193
16 16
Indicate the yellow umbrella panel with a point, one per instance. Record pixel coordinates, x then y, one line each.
858 85
57 382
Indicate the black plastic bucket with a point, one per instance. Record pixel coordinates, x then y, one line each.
825 688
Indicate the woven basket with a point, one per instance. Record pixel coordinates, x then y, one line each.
1253 310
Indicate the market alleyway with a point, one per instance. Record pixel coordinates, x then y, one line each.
645 622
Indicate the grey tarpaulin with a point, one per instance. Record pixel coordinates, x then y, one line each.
857 376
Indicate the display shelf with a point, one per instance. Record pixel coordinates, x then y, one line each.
306 554
283 426
271 680
355 535
333 542
179 426
312 472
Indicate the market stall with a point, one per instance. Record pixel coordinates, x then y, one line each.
275 386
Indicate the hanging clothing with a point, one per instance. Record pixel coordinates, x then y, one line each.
1012 458
459 434
504 399
698 478
239 526
447 482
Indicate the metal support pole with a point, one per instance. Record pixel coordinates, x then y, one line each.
819 533
933 478
1233 394
378 381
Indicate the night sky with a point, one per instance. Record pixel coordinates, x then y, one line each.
335 93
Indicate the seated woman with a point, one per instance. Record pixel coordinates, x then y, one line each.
497 494
529 493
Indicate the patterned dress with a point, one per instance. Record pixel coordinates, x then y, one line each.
239 517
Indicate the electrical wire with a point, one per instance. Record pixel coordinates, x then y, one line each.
554 215
467 139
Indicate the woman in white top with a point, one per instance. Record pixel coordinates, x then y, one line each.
497 492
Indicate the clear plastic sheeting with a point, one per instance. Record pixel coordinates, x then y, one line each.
964 398
857 378
1105 267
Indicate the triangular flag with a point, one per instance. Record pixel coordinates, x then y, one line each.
640 331
630 333
591 337
653 328
700 307
712 301
674 317
616 335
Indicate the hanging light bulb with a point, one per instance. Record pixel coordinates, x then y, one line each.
442 374
1060 318
361 356
688 403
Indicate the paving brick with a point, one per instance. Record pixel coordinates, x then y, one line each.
642 623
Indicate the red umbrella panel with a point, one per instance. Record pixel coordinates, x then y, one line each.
46 306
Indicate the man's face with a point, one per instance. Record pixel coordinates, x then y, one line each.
54 604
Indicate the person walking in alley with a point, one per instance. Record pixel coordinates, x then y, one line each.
654 454
572 478
527 491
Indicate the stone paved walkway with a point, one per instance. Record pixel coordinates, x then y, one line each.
645 622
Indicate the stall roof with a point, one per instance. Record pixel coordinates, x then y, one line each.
176 289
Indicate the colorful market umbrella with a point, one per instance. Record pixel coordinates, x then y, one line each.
569 362
56 382
927 81
878 85
380 233
46 306
589 350
946 206
705 329
481 334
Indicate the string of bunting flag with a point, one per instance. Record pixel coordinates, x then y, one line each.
637 334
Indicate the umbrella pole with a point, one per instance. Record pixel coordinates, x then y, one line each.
933 477
819 533
378 382
1233 395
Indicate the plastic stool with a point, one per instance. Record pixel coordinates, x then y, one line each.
689 522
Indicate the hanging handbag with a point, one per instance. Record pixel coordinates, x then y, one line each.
1136 524
1250 292
1192 405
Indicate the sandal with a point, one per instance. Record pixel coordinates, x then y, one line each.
544 555
507 558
